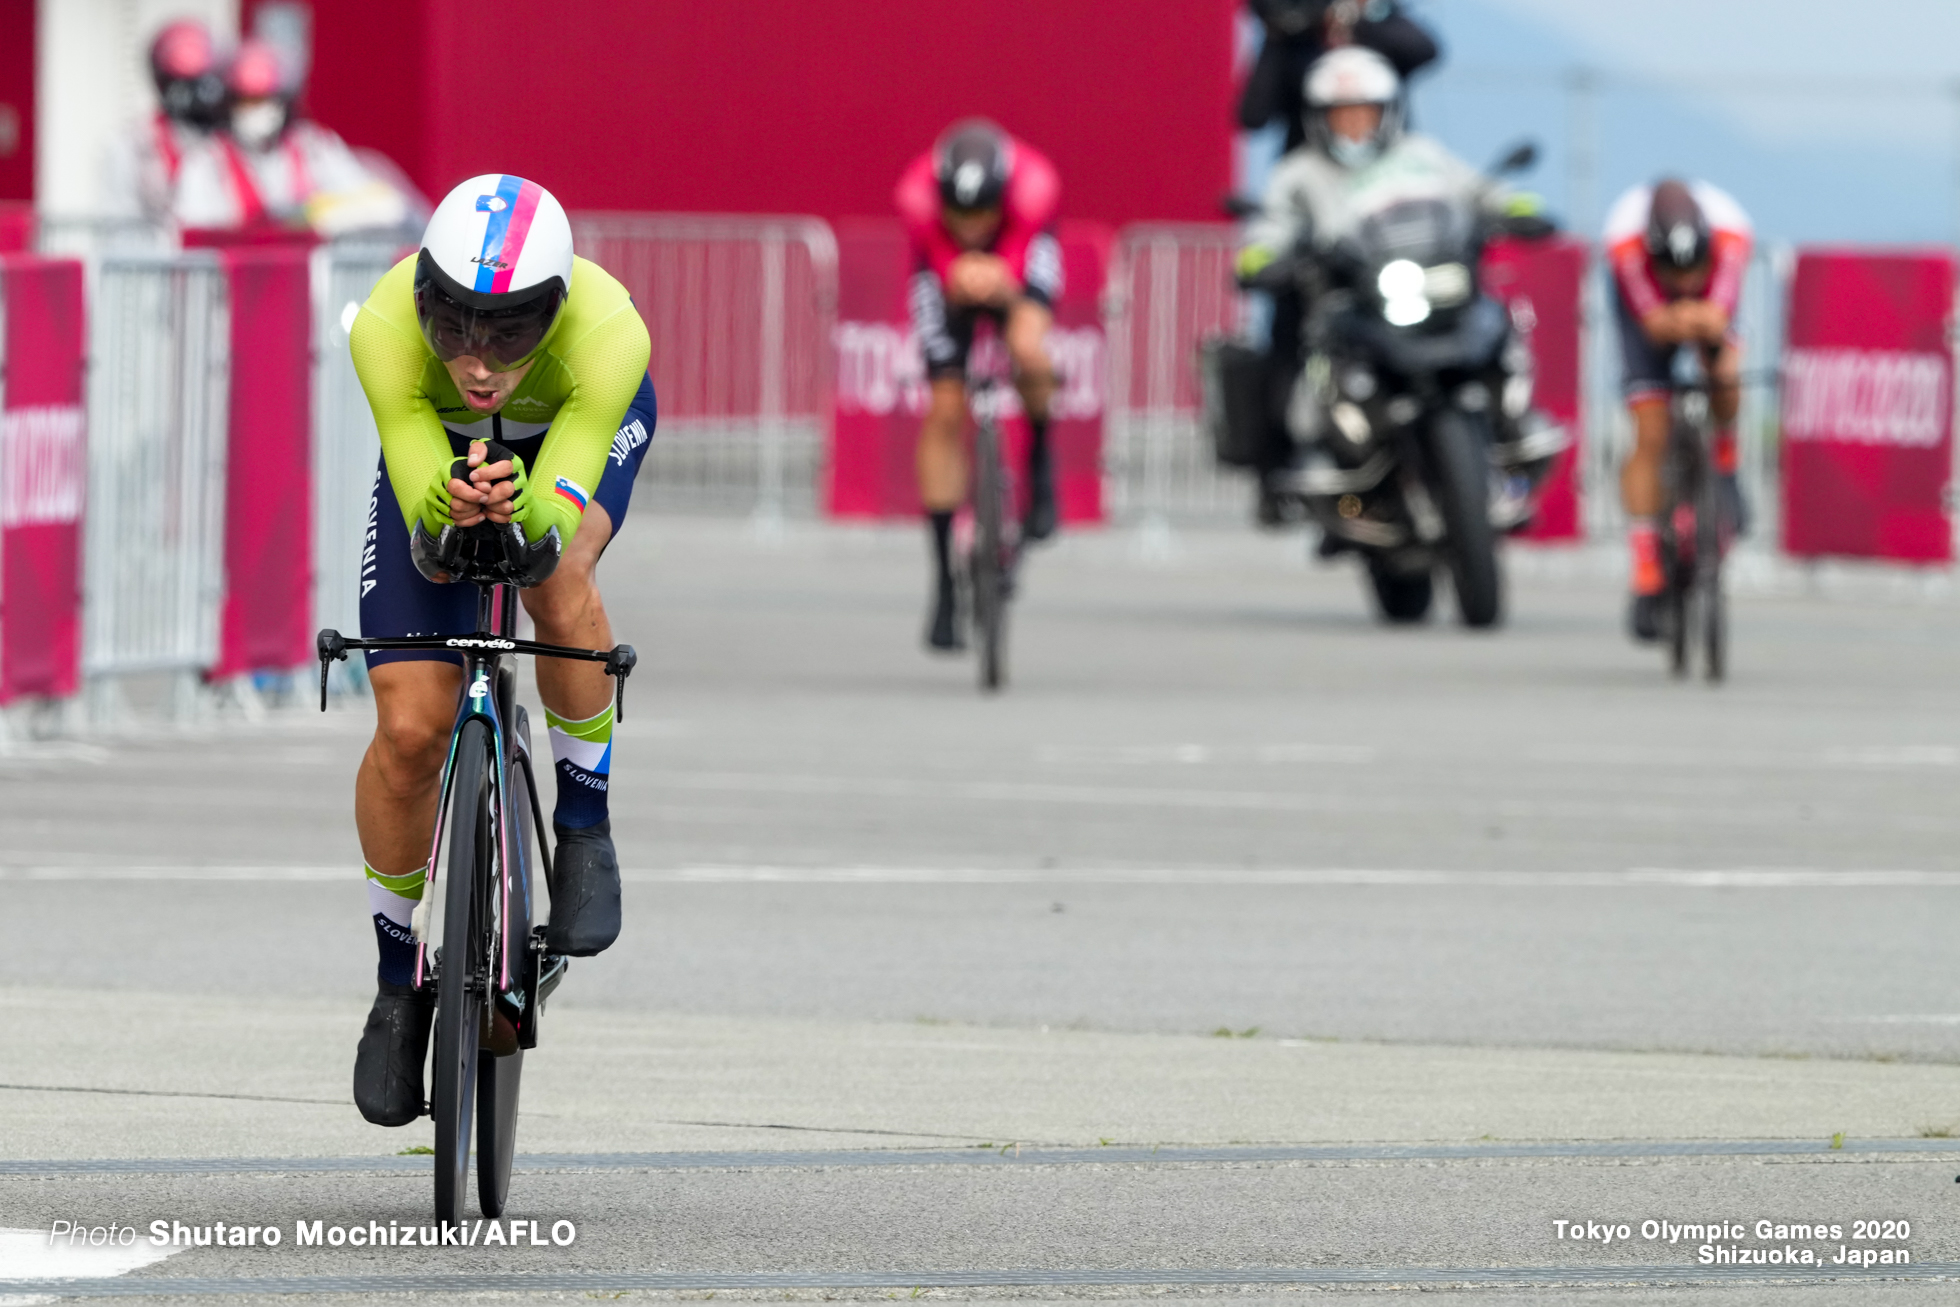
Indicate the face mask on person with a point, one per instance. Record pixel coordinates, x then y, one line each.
258 123
1353 154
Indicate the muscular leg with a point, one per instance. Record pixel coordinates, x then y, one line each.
942 489
1026 335
396 791
1028 324
1640 492
395 798
1640 475
568 610
578 702
941 454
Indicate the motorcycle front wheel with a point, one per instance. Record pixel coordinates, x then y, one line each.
1460 477
1403 597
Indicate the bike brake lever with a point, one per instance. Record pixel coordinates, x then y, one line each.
620 663
331 646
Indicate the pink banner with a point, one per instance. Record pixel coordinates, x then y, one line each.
43 473
880 395
268 608
1542 283
1867 406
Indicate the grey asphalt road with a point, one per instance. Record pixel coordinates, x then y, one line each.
1216 796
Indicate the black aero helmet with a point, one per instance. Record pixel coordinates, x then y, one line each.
1677 230
973 161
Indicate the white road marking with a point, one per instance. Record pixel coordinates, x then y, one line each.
349 873
1385 877
1739 878
32 1255
1188 754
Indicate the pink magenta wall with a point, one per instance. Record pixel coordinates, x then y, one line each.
809 106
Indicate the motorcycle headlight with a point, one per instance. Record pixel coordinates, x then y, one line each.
1404 299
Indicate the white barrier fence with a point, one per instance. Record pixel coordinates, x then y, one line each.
740 310
1170 286
346 446
153 571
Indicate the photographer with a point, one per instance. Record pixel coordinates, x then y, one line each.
1299 31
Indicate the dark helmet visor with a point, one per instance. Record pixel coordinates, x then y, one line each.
503 337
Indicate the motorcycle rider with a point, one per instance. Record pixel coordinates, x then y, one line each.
1678 251
1356 152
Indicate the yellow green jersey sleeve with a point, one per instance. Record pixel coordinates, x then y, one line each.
575 394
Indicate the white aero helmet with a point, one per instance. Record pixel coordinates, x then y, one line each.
494 271
1353 74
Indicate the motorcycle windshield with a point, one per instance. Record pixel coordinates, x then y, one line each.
1426 231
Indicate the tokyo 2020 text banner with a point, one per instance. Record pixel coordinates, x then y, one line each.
1867 405
268 491
880 395
1542 283
43 472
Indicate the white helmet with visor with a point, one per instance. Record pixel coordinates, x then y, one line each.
494 271
1353 75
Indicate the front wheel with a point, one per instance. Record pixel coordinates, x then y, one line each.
464 977
496 1131
989 561
1459 451
1711 540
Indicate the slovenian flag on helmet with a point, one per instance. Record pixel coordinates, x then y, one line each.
571 490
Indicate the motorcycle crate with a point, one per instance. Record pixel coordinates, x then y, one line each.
1232 381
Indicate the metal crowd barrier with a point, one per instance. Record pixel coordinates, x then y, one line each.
154 529
740 310
346 446
1170 286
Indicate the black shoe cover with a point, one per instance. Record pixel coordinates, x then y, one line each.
1644 618
388 1064
943 634
584 891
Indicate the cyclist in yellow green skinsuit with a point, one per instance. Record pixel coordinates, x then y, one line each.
492 331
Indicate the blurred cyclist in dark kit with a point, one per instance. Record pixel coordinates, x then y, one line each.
1300 31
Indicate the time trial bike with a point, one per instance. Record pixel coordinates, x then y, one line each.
488 965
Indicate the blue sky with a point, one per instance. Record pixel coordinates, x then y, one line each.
1825 128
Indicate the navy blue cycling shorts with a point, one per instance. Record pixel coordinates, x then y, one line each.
397 600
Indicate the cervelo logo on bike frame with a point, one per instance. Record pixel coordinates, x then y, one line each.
881 371
471 642
511 207
480 687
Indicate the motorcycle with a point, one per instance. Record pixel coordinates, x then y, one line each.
1419 443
